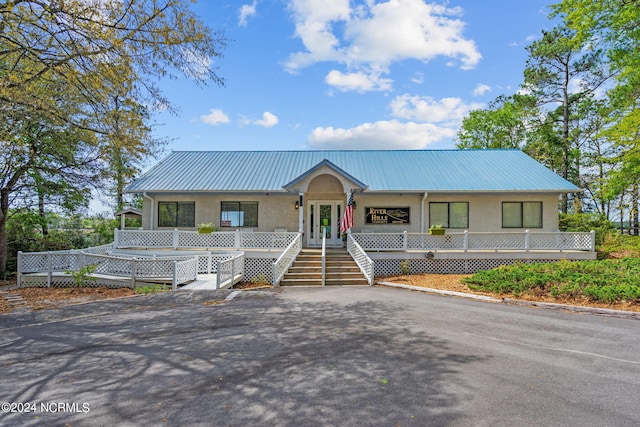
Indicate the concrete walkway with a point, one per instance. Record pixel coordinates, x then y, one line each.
209 282
203 282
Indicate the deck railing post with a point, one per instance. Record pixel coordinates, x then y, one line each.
115 243
527 240
593 241
176 238
237 239
19 273
133 273
405 240
174 283
465 241
49 267
274 274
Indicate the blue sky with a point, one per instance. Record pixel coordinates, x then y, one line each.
340 74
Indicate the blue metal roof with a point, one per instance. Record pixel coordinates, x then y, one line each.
380 170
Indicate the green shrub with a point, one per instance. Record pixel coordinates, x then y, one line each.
83 276
619 244
607 281
586 222
405 266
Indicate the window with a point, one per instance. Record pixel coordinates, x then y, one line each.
176 214
449 214
521 214
239 214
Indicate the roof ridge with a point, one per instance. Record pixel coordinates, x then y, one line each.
351 150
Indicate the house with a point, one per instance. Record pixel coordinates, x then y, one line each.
393 190
496 206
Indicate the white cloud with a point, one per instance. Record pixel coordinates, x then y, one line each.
268 120
447 111
481 89
246 11
427 121
373 35
215 117
418 78
391 134
359 81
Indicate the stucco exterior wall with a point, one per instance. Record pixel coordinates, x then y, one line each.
278 211
485 210
274 211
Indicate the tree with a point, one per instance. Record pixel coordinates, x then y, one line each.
561 72
504 124
127 139
62 62
615 25
86 44
36 155
598 156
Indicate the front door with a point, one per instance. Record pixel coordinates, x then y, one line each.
322 218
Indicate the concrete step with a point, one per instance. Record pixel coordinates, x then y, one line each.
340 269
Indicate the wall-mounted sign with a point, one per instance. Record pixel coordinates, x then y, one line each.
387 215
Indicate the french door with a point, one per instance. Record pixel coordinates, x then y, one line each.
322 218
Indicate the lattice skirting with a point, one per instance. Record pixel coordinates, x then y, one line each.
254 269
66 281
259 269
391 267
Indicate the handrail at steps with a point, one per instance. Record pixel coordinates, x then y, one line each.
361 258
284 261
324 255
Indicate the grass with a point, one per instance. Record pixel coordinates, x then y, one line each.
151 289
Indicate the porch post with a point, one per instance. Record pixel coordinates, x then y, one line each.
301 212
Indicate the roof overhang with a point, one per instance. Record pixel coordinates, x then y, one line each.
359 185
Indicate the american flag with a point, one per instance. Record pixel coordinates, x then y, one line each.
347 218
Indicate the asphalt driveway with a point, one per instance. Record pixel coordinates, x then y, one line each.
317 356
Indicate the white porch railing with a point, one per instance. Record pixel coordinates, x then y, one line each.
474 241
284 261
361 258
175 239
108 267
229 270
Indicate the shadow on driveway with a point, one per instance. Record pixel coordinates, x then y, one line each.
189 358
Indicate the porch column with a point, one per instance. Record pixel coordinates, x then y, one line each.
301 212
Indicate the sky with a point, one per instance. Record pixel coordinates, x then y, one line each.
340 74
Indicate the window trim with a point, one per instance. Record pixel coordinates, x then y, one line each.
541 211
192 220
449 215
239 203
